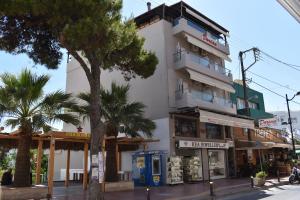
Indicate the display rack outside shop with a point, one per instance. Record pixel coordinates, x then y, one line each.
174 170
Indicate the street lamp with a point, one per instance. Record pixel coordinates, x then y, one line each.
290 120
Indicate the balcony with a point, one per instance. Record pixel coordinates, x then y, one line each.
182 25
203 65
203 100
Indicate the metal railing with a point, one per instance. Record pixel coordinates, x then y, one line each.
203 61
202 30
203 96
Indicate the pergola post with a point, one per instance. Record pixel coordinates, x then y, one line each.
39 162
118 157
51 166
68 169
85 170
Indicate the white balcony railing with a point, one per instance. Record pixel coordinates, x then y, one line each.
197 96
220 42
201 62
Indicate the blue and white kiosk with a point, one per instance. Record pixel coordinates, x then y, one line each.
148 168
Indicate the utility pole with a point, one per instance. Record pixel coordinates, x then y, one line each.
290 119
256 56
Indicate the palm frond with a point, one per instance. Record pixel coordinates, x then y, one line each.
13 123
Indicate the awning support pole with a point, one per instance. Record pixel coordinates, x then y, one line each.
68 169
39 162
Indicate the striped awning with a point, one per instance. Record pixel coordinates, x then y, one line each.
196 76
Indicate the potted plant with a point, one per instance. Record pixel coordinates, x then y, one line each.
260 178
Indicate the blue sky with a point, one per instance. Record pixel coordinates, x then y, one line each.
264 24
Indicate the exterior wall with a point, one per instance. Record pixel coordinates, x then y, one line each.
259 113
282 116
270 136
162 133
76 162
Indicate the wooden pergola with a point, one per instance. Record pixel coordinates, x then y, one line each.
70 141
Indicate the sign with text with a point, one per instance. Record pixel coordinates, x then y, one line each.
270 122
200 145
101 167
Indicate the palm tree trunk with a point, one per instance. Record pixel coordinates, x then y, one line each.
111 161
22 172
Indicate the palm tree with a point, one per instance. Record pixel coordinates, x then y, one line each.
24 105
117 112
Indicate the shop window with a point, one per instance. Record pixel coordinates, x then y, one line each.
227 132
156 165
214 131
185 127
216 159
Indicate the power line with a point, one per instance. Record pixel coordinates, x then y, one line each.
278 60
274 82
272 91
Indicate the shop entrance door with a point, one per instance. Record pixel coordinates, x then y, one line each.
216 161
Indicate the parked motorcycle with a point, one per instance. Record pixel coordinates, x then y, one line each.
295 176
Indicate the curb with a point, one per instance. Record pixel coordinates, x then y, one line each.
227 191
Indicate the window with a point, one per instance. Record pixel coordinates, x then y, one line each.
253 105
214 131
227 132
156 165
185 127
240 103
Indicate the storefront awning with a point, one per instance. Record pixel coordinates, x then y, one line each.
244 145
206 47
196 76
214 118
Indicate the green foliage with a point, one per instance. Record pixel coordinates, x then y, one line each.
117 111
26 107
261 174
9 160
95 28
23 102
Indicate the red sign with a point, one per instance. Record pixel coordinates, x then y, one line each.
208 40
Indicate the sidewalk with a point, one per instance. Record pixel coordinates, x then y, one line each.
177 192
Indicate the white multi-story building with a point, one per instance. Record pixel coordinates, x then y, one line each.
189 94
282 122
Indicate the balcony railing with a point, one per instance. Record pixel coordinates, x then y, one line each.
202 61
214 37
204 96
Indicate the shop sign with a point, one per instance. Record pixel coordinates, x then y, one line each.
267 122
77 134
199 145
208 40
140 162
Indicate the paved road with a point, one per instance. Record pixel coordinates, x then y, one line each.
286 192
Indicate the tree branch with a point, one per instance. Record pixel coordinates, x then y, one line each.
83 65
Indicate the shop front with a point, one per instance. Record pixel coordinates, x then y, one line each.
204 142
203 160
254 156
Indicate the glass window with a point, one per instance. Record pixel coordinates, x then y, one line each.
214 131
156 165
240 103
253 105
185 127
227 132
216 160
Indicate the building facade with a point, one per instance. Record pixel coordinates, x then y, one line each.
263 148
189 95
